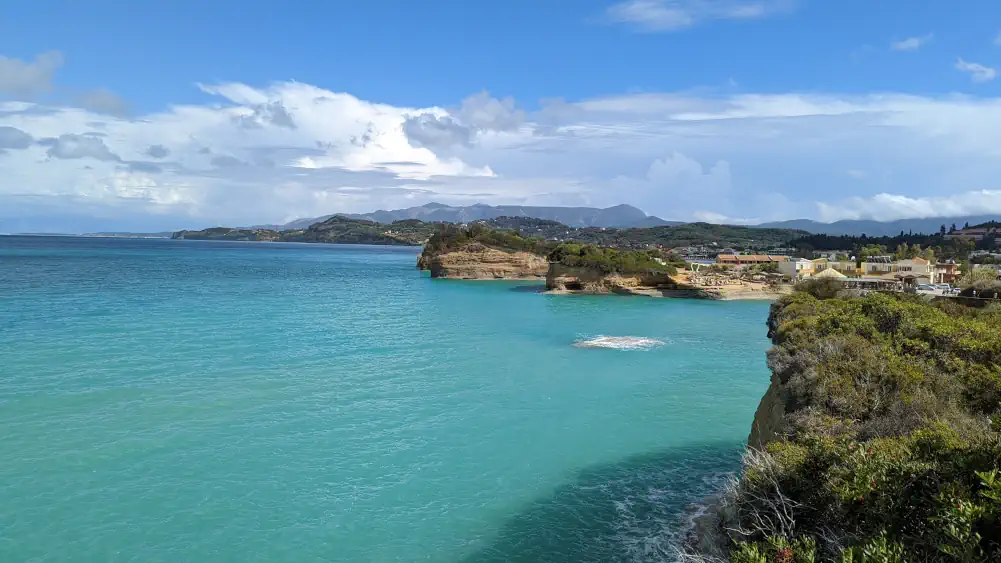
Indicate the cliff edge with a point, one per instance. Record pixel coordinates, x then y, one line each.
561 278
877 441
476 261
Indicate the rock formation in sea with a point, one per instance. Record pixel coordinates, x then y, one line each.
475 261
561 278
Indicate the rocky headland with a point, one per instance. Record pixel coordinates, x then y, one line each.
226 233
581 280
475 261
334 230
878 439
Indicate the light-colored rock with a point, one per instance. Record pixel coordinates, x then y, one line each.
478 262
565 279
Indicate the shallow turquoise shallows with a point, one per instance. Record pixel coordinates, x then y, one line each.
172 401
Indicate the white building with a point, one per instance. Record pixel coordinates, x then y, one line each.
796 268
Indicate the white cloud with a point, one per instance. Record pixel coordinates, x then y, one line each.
103 101
72 146
14 138
26 79
978 72
673 15
271 154
911 43
888 207
720 219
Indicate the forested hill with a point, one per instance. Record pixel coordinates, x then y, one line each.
345 230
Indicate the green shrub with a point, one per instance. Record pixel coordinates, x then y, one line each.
892 450
609 260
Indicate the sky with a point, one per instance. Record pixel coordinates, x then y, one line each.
149 116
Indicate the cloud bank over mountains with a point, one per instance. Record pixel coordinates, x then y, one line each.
271 153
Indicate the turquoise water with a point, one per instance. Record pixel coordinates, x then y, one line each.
193 401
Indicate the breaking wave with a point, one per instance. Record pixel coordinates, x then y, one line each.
619 342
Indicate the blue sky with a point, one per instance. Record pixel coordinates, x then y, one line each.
728 110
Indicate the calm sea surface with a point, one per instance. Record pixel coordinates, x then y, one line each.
239 402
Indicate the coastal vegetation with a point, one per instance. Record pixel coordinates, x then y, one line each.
343 230
226 233
336 230
448 238
610 260
887 449
903 245
688 234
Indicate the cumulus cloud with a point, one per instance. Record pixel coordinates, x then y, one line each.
272 113
103 101
158 151
22 79
673 15
680 156
71 146
431 130
977 72
911 43
14 138
477 115
888 207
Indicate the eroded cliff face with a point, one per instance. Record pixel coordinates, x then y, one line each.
769 418
478 262
565 279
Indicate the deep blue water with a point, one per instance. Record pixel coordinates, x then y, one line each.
198 401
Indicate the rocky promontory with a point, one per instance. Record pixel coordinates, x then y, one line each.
334 230
880 429
561 278
226 233
476 261
480 253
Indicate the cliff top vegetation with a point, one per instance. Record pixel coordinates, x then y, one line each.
449 237
890 449
609 260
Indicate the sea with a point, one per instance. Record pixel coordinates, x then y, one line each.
189 401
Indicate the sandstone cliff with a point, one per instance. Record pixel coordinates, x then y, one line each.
567 279
479 262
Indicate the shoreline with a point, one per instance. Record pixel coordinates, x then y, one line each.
699 294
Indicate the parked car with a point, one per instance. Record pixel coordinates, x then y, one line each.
943 286
926 287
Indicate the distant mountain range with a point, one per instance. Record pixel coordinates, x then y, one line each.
619 216
870 228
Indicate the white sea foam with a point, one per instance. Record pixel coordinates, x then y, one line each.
619 342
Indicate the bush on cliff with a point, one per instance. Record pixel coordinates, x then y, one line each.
449 237
609 260
891 450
